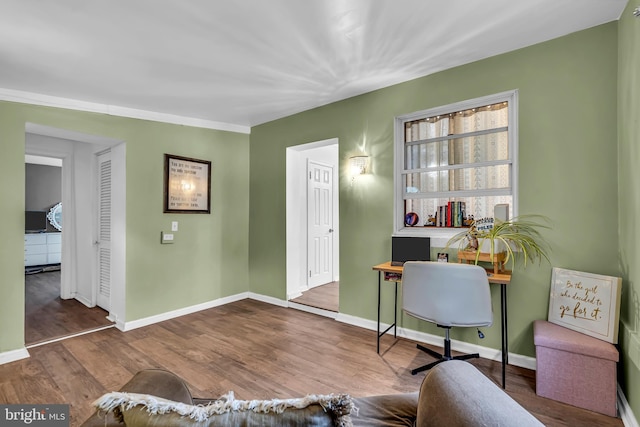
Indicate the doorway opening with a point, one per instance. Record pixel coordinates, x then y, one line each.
61 286
47 316
313 226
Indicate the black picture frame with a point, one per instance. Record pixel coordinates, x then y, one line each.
187 185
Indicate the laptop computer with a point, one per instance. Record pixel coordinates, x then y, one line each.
405 249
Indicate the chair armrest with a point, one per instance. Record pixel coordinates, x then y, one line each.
455 393
156 382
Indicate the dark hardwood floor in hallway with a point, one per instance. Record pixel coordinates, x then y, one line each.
48 317
259 351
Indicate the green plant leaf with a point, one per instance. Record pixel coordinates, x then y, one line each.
519 236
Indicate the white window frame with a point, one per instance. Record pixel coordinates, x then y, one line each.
440 235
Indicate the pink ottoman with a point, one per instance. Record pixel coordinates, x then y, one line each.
575 368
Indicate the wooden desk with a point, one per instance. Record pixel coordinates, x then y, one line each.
393 273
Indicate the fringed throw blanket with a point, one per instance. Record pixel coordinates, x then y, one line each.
339 406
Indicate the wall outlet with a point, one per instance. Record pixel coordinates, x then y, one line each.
166 238
174 225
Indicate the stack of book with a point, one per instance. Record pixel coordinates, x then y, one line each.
451 215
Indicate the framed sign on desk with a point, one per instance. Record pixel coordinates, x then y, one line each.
187 185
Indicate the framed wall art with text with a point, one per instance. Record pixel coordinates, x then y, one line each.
187 185
586 302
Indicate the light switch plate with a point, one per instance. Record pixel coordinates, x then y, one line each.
174 225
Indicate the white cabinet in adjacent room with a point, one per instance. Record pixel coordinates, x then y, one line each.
42 248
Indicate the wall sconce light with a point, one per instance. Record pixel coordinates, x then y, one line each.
358 165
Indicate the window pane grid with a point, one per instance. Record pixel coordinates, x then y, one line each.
489 117
458 151
459 156
454 167
479 178
454 136
450 195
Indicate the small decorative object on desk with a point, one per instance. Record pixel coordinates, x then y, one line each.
430 222
483 224
411 219
443 257
468 221
472 238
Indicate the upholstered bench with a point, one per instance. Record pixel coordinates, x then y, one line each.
575 368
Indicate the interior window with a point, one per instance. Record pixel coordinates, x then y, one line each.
454 164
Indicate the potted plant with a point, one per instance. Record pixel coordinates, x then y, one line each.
503 242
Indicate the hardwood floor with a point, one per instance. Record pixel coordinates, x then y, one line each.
48 317
325 297
258 350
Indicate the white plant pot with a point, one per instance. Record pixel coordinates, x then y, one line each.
485 246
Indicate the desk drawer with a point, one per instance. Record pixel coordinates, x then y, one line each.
35 249
37 259
35 239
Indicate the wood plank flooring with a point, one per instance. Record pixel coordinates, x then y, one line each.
258 350
325 297
48 317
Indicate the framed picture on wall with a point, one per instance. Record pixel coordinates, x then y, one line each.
187 185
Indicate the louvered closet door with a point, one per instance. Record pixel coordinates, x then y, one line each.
104 231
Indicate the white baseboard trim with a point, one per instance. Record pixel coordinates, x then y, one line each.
626 414
294 295
461 346
83 300
267 299
120 325
13 355
135 324
289 304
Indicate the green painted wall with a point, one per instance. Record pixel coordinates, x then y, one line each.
567 90
571 90
629 199
209 259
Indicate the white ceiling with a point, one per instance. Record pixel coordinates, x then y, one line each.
246 62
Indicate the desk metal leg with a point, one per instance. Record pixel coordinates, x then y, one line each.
378 349
505 338
395 312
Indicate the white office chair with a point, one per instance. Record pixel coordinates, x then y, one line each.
446 294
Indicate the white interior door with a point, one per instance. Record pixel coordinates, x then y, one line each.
103 241
320 224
